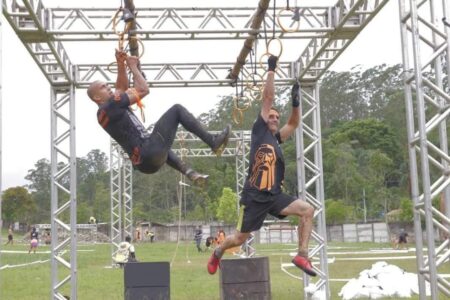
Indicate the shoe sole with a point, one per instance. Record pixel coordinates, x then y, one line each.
201 182
307 271
222 147
218 267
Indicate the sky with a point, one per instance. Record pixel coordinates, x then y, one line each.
25 93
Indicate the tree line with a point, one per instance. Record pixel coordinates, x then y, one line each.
365 160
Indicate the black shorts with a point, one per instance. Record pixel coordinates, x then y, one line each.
256 205
10 237
402 239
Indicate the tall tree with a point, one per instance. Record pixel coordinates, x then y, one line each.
227 210
40 189
18 206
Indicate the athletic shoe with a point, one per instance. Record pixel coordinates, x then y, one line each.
221 140
197 179
213 263
304 264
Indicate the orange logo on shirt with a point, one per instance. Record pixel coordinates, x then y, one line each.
263 171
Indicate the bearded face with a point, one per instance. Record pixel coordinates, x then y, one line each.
263 172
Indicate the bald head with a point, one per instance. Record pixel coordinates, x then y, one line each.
93 88
99 92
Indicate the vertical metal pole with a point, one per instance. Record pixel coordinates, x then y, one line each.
310 177
63 182
425 168
242 149
364 205
127 196
320 196
301 181
115 164
426 103
411 147
1 134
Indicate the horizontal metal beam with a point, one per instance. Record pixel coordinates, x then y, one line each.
182 74
328 30
175 23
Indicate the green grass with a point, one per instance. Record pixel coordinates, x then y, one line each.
188 280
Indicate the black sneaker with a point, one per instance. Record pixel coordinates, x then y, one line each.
221 141
197 179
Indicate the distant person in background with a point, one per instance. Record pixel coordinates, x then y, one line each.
34 240
220 237
47 237
125 253
92 220
198 238
10 236
152 236
209 243
138 234
402 239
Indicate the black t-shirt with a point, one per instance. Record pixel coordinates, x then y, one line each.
266 169
198 234
123 126
34 235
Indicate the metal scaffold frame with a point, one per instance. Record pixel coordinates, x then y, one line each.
426 71
44 31
121 184
63 218
310 177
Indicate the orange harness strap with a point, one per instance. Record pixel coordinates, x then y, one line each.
139 103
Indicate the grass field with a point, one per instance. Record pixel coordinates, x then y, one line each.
189 279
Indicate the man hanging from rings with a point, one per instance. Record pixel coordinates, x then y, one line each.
148 152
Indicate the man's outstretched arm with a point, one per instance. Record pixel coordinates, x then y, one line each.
269 88
122 78
140 89
294 119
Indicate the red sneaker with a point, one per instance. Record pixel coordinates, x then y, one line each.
304 264
213 263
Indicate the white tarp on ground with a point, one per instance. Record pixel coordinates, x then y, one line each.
382 280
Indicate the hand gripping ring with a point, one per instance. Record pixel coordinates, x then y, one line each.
287 29
268 53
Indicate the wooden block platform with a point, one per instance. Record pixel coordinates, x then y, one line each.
245 278
147 280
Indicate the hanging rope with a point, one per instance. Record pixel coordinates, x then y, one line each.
253 89
270 42
180 191
129 17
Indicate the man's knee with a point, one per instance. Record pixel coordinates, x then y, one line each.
178 107
305 209
240 238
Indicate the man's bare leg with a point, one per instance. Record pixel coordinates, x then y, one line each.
305 212
237 239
